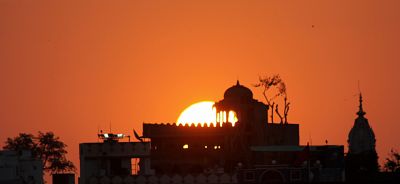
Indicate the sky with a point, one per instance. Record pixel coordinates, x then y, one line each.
74 66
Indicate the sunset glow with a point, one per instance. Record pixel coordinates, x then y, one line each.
201 112
77 67
204 113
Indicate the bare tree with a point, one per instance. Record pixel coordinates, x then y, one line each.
282 92
267 83
286 110
277 112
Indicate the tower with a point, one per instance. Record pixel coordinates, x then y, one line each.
361 159
361 136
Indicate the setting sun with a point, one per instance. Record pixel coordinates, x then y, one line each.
204 113
201 112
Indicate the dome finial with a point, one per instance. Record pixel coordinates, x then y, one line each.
360 110
237 83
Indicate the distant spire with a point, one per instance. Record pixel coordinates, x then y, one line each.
237 82
360 111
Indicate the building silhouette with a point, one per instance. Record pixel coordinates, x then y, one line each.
361 136
361 159
244 149
20 167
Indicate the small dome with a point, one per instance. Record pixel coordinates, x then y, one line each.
238 92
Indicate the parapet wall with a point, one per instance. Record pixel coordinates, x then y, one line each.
164 179
174 130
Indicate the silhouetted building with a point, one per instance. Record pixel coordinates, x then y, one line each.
240 147
361 159
20 167
361 136
251 146
113 158
63 178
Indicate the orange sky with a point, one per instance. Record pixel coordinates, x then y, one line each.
73 66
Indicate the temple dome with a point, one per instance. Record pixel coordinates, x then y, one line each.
361 137
238 92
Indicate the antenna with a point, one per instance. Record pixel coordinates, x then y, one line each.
98 132
359 90
110 126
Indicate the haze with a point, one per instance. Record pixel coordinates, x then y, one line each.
74 66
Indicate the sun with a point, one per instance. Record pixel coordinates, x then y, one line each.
201 112
204 113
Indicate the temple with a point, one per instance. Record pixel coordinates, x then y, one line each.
244 149
361 136
361 159
190 148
